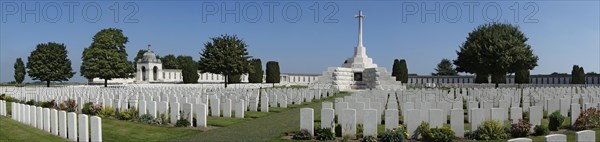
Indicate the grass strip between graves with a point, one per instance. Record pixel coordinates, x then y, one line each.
13 131
267 128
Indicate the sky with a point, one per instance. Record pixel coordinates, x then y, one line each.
304 36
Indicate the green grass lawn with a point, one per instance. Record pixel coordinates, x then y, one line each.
268 128
13 131
121 131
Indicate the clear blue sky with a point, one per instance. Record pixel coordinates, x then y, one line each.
562 33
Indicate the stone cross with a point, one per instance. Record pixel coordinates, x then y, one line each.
360 16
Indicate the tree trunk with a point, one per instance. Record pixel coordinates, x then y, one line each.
105 82
47 83
226 77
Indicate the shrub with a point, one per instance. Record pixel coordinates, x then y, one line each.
94 109
124 115
107 112
162 119
302 135
540 130
520 129
324 134
359 130
130 114
48 104
146 119
69 105
30 102
588 119
423 130
491 130
394 135
443 134
182 122
556 120
369 139
2 96
8 99
86 108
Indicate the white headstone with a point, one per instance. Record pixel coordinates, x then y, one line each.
226 108
72 124
477 118
327 116
555 138
62 124
370 122
586 136
391 119
435 118
142 107
264 103
215 110
457 120
516 113
520 140
96 129
187 111
151 107
535 115
412 121
32 116
46 120
575 111
162 108
307 120
54 121
201 114
40 115
240 107
84 135
349 123
175 112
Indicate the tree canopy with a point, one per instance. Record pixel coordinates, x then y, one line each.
256 75
522 76
225 55
495 49
106 57
49 62
19 71
577 75
444 68
171 62
189 69
273 73
401 72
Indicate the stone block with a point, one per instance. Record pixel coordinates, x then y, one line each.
175 115
240 108
307 120
72 126
201 113
585 136
391 119
62 124
327 117
84 135
370 122
96 129
555 137
457 120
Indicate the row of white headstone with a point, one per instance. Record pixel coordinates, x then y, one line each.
581 136
348 122
72 126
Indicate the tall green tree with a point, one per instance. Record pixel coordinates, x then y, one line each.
256 76
170 62
225 55
581 74
19 71
396 69
273 73
575 74
234 78
522 76
106 57
495 49
49 62
482 78
402 75
189 69
444 68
